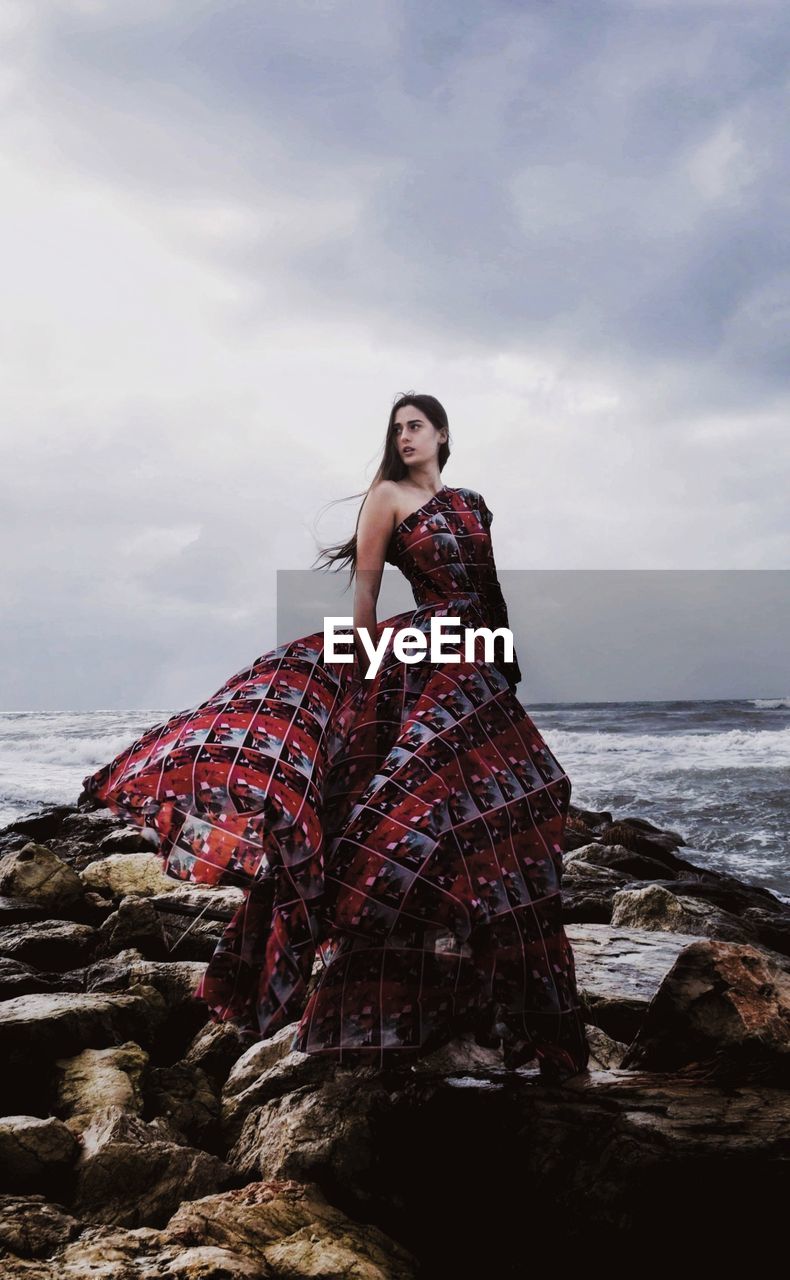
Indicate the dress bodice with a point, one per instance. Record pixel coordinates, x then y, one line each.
444 550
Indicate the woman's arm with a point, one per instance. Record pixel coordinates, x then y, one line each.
495 601
375 528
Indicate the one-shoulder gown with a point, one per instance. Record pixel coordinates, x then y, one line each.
404 831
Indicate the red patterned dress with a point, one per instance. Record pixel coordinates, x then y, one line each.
407 830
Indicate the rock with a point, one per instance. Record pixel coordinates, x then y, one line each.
34 1153
176 981
129 1176
107 1253
215 1048
184 1095
619 972
641 837
772 928
30 1227
37 875
294 1232
135 924
122 874
48 944
605 1053
598 1157
47 822
18 979
636 863
315 1134
722 1003
17 910
266 1070
97 1080
37 1029
128 840
207 1262
460 1056
653 907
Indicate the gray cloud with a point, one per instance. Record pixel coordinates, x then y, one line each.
239 225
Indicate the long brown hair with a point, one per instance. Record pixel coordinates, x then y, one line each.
391 467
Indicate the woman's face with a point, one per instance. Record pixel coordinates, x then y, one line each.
416 438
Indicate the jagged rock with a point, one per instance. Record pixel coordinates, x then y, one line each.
314 1134
176 980
619 971
185 1096
724 1003
18 979
134 924
34 1152
266 1070
653 907
122 874
98 1080
129 1176
215 1048
47 822
17 910
576 866
772 928
638 864
30 1227
127 840
107 1253
605 1052
35 874
37 1029
48 944
294 1231
642 837
207 1262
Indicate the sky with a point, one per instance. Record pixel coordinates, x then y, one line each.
233 231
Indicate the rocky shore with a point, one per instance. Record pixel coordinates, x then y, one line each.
139 1140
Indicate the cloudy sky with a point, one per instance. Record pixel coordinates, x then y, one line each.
232 231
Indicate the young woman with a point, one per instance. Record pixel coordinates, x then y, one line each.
403 827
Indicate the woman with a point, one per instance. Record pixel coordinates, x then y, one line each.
406 828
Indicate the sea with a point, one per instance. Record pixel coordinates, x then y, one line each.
715 772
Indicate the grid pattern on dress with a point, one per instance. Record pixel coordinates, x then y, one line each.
407 829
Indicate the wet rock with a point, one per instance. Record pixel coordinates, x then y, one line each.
619 972
34 1153
123 874
44 823
723 1004
128 1175
35 874
639 864
48 944
98 1080
653 907
31 1227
